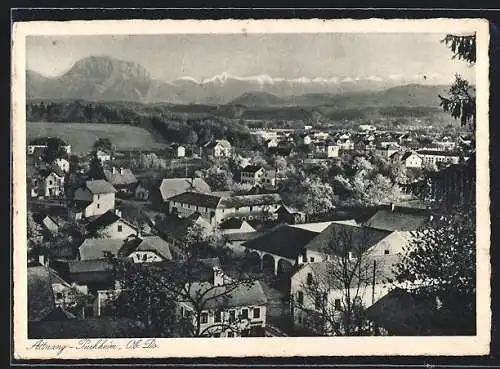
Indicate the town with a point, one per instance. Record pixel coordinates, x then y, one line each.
300 236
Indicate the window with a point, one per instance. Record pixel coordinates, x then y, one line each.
337 304
98 206
59 296
309 279
120 227
311 260
230 334
244 313
251 207
317 302
218 316
300 297
144 257
386 252
204 318
50 183
182 312
232 316
236 209
256 313
98 196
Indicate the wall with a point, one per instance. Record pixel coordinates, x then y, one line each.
112 231
151 257
101 203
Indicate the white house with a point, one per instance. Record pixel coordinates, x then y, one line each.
95 198
332 150
228 310
317 290
111 225
252 174
433 157
411 160
52 182
151 249
217 149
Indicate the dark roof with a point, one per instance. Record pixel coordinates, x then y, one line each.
170 187
240 295
252 168
98 186
224 143
86 328
245 236
85 272
120 177
196 198
283 241
406 155
346 236
176 227
157 245
404 314
52 169
439 153
231 223
250 200
101 221
40 294
129 246
200 270
398 220
95 248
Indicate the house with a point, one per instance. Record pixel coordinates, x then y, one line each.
317 288
386 150
174 230
272 178
306 139
170 187
217 149
151 249
41 144
332 150
339 238
103 155
62 163
229 310
176 151
287 214
411 160
216 208
110 225
96 197
345 143
235 225
396 218
91 275
122 179
252 174
273 142
434 157
52 182
278 250
141 192
97 248
50 224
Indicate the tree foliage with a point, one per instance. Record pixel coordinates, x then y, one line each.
461 99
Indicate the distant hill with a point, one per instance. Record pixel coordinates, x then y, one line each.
102 78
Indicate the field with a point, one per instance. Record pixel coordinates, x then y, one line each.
81 136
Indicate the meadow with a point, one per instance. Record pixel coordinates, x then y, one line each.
81 136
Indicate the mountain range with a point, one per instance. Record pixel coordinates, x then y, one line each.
100 78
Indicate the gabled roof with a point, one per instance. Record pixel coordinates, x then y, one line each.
439 152
407 154
397 220
157 245
250 200
252 168
283 241
344 237
40 294
95 248
105 220
176 227
231 223
196 198
99 186
229 296
174 186
52 168
120 177
223 143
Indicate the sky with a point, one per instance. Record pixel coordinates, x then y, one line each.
201 56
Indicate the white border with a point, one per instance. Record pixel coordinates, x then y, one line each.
315 346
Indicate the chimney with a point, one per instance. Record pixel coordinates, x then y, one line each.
218 276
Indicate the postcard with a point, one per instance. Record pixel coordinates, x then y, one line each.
236 188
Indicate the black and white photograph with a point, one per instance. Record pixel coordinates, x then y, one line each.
251 185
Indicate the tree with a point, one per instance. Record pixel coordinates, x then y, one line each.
441 262
155 294
461 99
96 171
219 179
55 149
337 286
103 144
